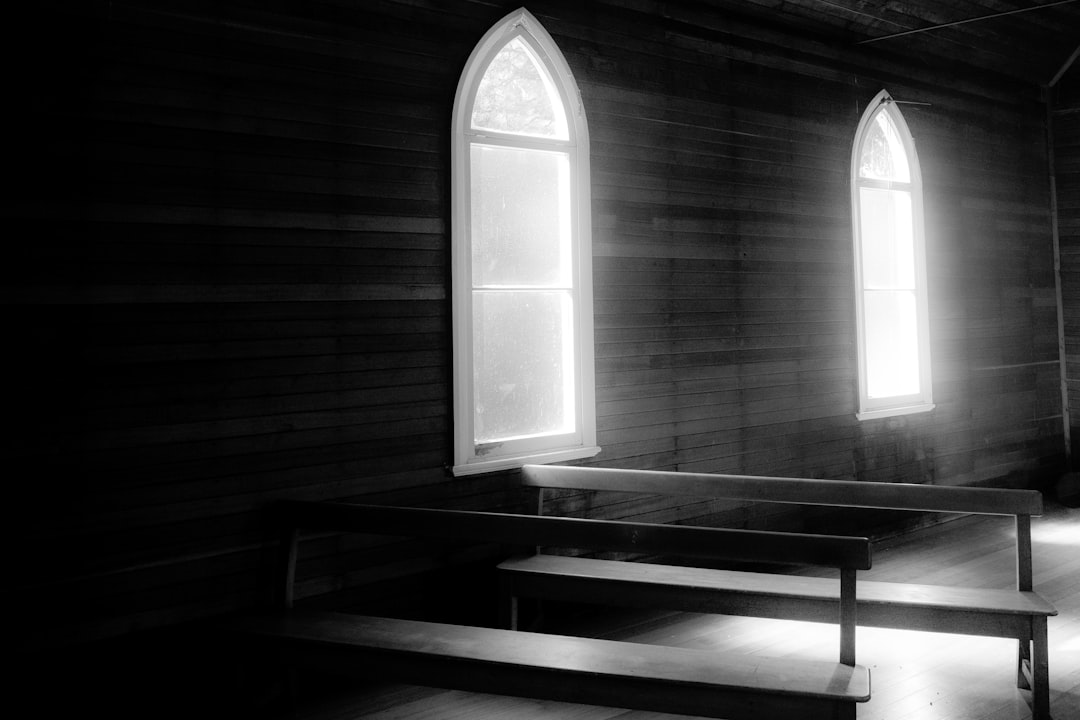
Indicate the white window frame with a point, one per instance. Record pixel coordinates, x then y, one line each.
869 407
468 457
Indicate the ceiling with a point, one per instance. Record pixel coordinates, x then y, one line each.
1030 41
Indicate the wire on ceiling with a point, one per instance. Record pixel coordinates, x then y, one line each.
968 20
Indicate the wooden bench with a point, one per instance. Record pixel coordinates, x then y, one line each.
555 667
1020 613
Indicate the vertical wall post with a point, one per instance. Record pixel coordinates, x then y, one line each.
1055 238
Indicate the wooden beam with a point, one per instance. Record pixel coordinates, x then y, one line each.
1065 67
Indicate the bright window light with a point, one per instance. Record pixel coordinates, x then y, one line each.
890 266
522 273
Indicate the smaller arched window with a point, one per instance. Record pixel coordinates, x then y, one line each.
892 316
522 272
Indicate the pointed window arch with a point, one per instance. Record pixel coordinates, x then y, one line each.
890 266
521 255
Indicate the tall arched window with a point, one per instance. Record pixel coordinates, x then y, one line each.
522 271
890 266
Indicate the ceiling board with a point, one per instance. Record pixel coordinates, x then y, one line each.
1021 40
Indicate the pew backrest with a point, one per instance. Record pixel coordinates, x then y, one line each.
848 554
1018 503
801 491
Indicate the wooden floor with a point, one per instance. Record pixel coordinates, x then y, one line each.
915 675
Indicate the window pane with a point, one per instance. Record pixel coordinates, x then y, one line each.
516 96
888 239
883 155
522 364
892 344
520 217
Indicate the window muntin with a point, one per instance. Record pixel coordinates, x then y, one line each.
890 266
523 370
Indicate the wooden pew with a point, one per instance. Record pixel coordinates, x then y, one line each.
571 669
1011 613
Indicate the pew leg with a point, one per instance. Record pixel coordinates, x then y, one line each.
1033 669
1023 664
292 688
508 605
510 612
844 711
1040 671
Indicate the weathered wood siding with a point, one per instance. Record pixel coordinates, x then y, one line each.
227 277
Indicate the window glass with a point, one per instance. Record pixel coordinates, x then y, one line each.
883 155
888 242
892 345
524 384
520 217
516 96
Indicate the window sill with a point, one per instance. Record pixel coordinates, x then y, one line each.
516 461
893 412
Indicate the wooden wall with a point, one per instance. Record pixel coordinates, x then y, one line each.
226 278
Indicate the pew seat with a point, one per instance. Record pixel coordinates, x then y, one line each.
561 668
941 608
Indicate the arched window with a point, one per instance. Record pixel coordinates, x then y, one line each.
522 271
890 266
